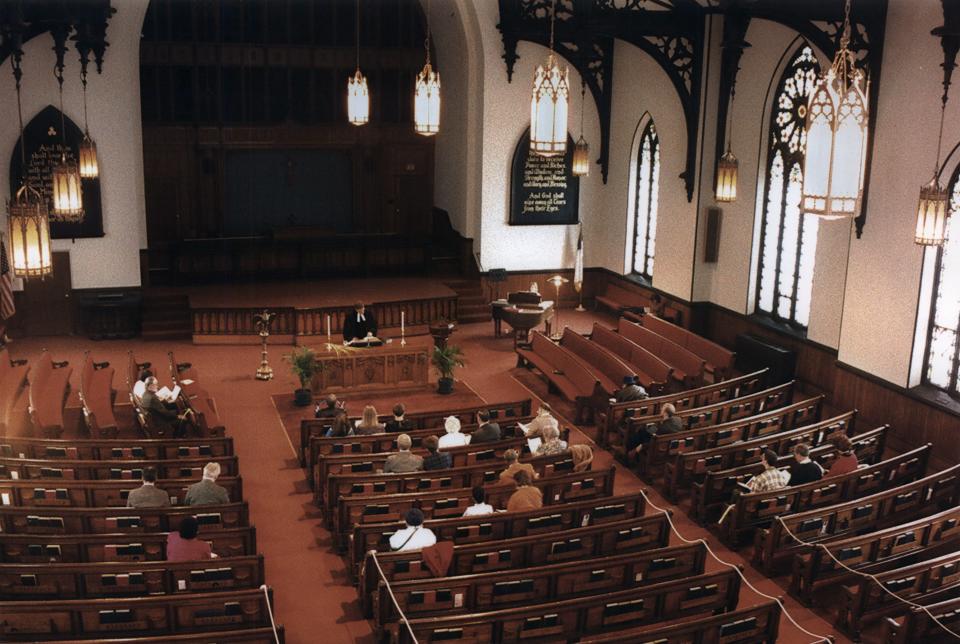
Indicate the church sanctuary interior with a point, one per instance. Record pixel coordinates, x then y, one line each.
480 321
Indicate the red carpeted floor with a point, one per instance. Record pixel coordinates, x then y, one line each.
313 598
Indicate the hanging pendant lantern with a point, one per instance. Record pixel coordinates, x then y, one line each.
358 94
727 171
426 95
837 131
580 164
548 105
67 194
932 212
29 229
89 168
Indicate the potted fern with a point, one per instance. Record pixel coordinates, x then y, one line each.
446 359
304 365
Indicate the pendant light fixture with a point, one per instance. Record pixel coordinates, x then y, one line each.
838 114
548 105
581 149
426 97
89 168
27 217
67 195
358 94
727 165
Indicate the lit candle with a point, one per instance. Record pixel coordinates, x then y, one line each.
403 319
328 328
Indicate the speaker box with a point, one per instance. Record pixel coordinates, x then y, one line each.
711 246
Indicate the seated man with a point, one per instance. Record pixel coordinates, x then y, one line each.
163 415
414 536
630 391
669 423
404 460
148 495
435 460
207 492
804 470
399 423
329 408
770 478
183 545
486 431
360 324
513 466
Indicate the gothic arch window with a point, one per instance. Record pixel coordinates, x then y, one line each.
943 340
788 238
646 187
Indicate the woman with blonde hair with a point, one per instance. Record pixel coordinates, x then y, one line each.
368 423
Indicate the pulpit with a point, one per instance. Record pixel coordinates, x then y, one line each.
523 311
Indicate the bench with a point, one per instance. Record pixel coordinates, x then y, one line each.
565 373
916 626
13 381
53 581
98 449
718 485
570 619
890 506
48 391
315 428
865 601
652 372
720 360
604 365
617 537
693 466
619 413
503 588
501 525
163 615
94 494
246 636
757 508
813 569
618 299
194 397
114 520
49 468
687 366
97 396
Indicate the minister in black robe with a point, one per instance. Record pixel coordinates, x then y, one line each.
359 323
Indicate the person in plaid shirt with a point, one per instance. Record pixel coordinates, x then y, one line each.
770 478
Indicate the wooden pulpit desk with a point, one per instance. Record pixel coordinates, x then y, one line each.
382 368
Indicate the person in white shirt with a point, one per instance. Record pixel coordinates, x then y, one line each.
480 506
414 536
543 419
453 437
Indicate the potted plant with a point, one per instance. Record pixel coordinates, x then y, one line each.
304 365
446 359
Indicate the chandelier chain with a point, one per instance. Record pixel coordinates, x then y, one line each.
583 102
553 18
358 35
426 42
58 72
83 81
17 75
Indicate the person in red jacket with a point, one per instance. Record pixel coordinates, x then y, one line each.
846 461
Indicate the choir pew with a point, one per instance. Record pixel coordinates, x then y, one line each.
48 391
720 360
121 449
194 397
565 373
688 367
97 470
58 520
653 373
94 494
97 396
13 382
606 367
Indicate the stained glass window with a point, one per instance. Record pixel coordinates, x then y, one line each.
645 201
788 238
943 344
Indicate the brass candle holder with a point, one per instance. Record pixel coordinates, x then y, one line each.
263 320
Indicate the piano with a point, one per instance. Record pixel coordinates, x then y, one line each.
523 311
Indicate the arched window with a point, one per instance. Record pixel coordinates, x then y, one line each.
788 239
943 343
646 188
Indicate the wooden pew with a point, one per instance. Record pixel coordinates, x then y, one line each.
930 494
245 636
720 360
758 508
122 449
717 486
755 625
570 619
916 626
96 397
814 570
619 414
113 520
506 413
94 494
604 365
53 581
148 546
363 508
618 299
93 470
503 588
663 447
565 373
692 466
194 397
653 373
618 537
865 601
163 615
687 366
13 382
501 525
48 391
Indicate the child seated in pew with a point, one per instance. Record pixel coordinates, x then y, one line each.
183 545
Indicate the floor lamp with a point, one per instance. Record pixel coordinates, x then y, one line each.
557 280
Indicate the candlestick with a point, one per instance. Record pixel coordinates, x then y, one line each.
403 328
328 328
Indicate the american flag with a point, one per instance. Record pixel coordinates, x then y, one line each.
7 307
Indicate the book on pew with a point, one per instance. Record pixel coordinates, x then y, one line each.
170 395
534 444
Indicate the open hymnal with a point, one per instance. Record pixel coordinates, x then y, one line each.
534 444
169 395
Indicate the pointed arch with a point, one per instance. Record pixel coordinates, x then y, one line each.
643 200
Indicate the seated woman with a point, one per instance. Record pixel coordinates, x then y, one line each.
368 423
184 545
480 506
551 443
453 437
846 460
340 427
543 419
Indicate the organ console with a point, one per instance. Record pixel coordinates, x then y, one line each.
523 311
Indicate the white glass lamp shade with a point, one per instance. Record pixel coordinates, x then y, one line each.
358 99
548 109
89 169
426 102
581 158
29 230
67 195
727 171
932 213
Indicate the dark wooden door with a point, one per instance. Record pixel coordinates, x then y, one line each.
46 307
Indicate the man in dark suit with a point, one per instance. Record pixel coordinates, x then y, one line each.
161 415
486 432
359 324
399 423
